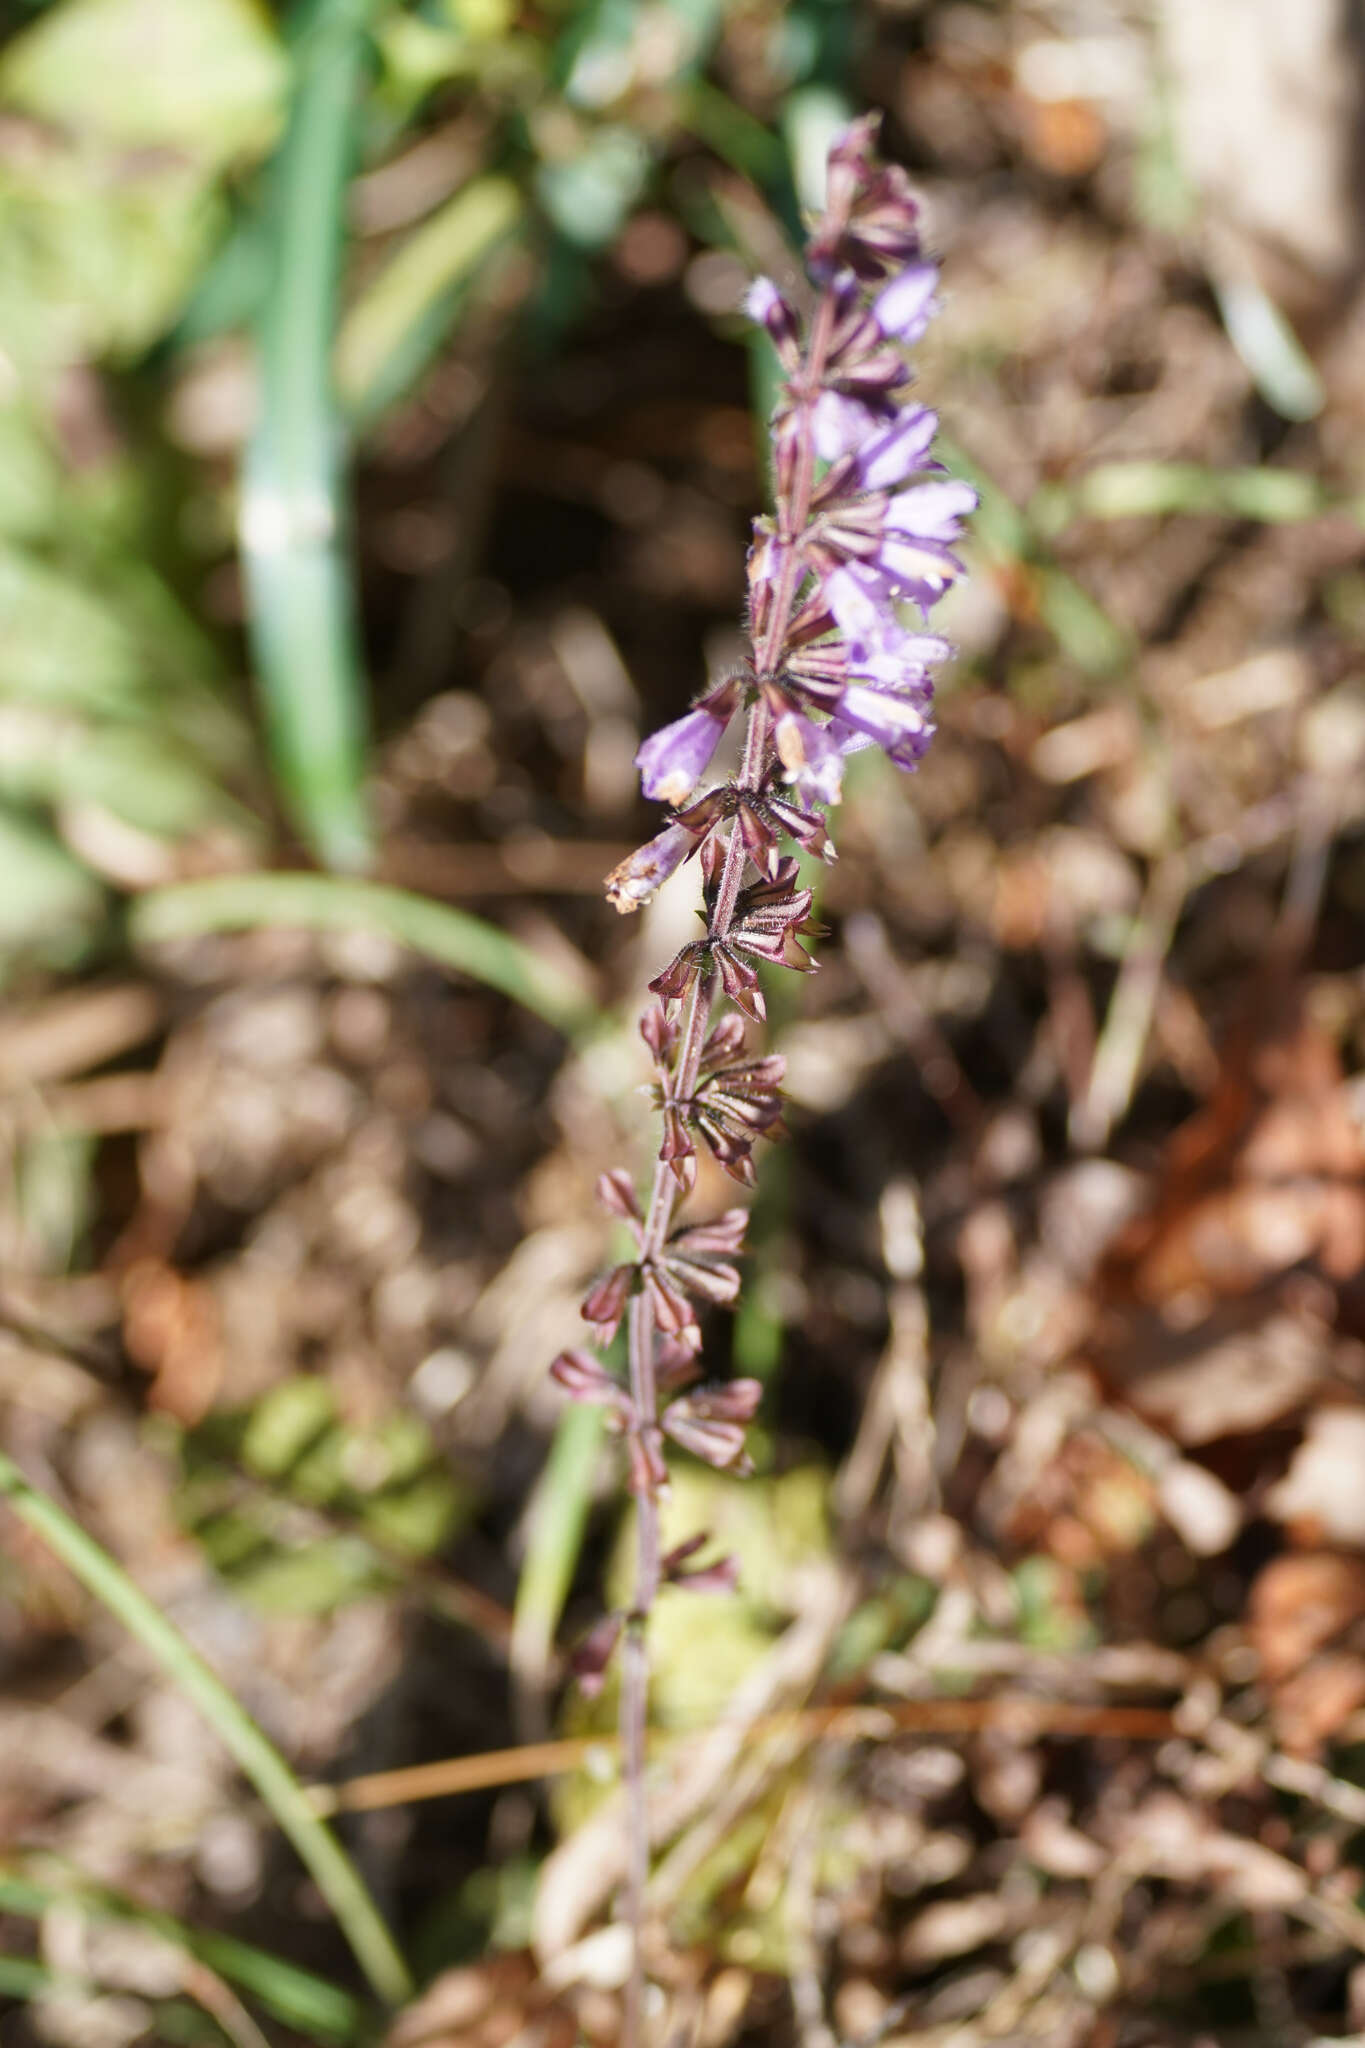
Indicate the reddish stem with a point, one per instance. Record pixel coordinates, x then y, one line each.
792 517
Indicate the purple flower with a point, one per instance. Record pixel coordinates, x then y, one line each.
896 724
899 544
870 221
766 307
904 307
811 757
673 760
877 647
841 426
648 868
882 452
863 526
933 511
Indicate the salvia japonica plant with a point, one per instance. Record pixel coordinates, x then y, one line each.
841 578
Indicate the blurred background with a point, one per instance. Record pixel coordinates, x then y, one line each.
378 446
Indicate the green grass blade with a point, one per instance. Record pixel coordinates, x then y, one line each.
1082 628
325 903
287 1992
1146 490
558 1520
391 330
327 1862
295 544
22 1978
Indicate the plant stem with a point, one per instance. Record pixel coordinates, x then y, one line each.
792 518
635 1667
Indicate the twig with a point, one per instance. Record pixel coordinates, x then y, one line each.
1022 1713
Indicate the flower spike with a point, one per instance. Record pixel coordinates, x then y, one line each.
860 546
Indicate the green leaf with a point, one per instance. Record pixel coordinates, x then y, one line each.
50 904
301 601
1279 365
96 258
315 1579
324 903
204 78
389 331
285 1423
30 476
556 1526
288 1992
60 643
1145 490
589 194
416 1518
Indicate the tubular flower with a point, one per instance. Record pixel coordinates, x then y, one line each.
673 761
648 868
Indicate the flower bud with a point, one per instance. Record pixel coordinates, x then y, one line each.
616 1193
766 307
605 1303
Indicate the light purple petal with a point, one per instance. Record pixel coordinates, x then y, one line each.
904 307
901 661
811 757
672 761
887 458
766 305
840 426
931 511
918 569
763 301
848 739
858 615
879 647
890 667
637 879
888 720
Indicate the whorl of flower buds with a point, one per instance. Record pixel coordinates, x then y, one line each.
841 575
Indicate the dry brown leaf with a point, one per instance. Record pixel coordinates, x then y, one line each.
1311 1707
1064 137
1239 1370
1322 1496
482 2005
171 1328
1269 1175
1299 1604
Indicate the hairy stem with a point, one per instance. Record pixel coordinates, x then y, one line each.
792 516
831 666
635 1668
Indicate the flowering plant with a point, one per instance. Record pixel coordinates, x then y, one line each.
841 578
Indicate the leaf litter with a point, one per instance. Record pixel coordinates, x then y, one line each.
1065 1267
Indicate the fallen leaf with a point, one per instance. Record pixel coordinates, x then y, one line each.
1301 1603
1238 1370
1269 1175
1322 1496
1310 1708
171 1328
